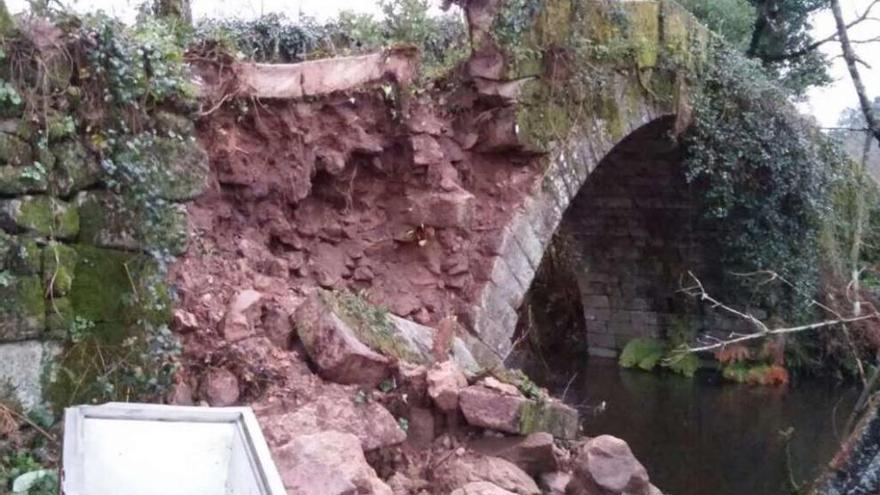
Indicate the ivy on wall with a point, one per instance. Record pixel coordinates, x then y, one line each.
763 174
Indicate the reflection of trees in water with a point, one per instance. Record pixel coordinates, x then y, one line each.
701 436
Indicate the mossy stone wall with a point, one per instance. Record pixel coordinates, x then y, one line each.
74 250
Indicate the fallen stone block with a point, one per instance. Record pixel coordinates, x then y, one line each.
606 465
488 408
460 471
534 454
340 410
445 382
335 348
329 463
242 314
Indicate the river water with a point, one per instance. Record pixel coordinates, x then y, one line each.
705 436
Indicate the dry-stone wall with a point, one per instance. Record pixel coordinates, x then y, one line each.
74 249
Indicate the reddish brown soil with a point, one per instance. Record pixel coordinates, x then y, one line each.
320 193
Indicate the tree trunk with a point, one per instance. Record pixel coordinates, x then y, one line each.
849 55
177 10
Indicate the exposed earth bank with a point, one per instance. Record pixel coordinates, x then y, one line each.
319 215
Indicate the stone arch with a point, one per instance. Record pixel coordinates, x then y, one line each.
526 237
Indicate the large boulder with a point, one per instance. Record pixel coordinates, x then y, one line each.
342 410
327 463
459 471
510 412
334 346
607 466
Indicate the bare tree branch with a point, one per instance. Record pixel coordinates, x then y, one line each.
864 17
849 55
762 330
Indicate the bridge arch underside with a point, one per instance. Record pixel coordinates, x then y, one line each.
616 264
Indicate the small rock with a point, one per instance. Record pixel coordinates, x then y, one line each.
221 387
241 315
493 383
181 395
334 348
606 465
426 150
481 488
276 325
363 274
554 483
490 408
445 382
184 321
442 209
329 463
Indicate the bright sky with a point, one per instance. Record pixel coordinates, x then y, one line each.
824 103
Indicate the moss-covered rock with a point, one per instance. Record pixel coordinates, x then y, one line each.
15 181
22 307
21 255
75 168
550 416
107 220
14 151
59 317
176 169
43 216
174 125
59 263
116 289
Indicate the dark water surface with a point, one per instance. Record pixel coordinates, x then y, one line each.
704 436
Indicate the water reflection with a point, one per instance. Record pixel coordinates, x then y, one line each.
703 436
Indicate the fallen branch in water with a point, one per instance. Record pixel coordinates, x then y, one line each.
763 331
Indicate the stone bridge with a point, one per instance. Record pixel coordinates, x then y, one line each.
615 180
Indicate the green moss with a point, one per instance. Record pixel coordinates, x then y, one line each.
16 181
115 289
176 169
537 416
644 32
41 215
109 220
75 168
14 151
22 307
22 255
371 323
59 263
59 317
